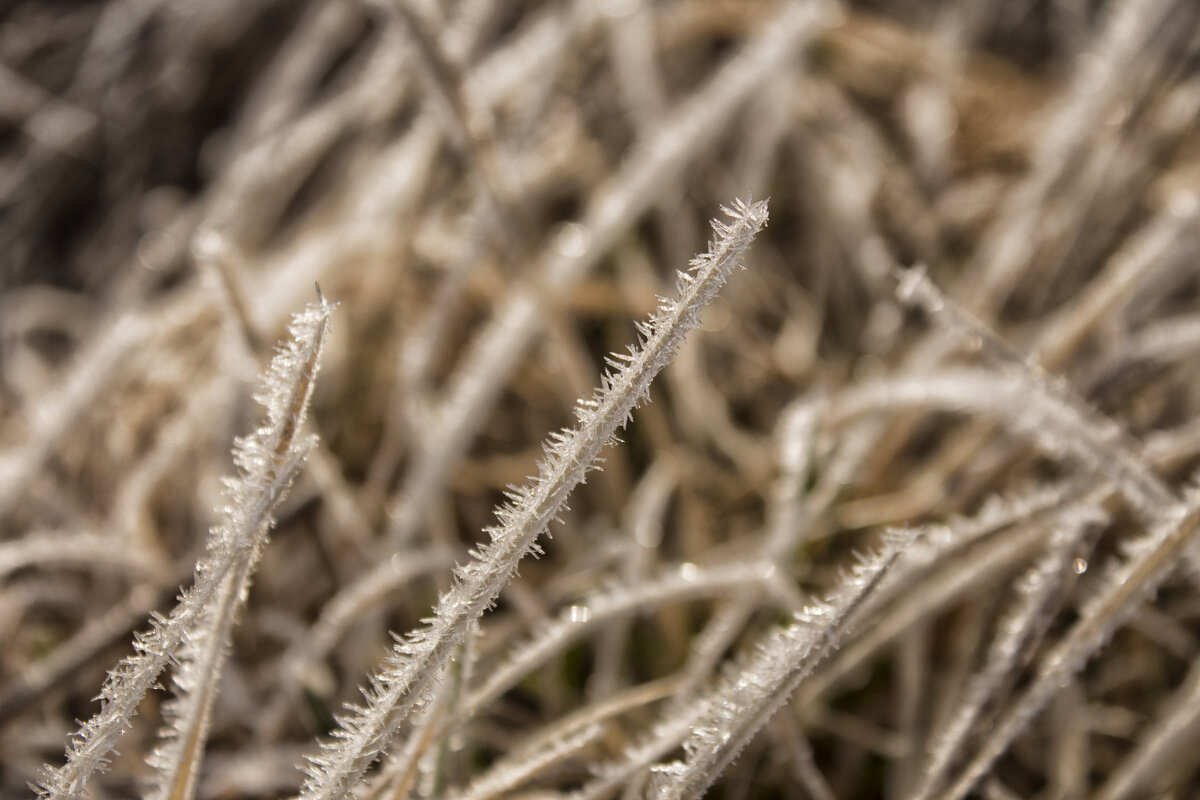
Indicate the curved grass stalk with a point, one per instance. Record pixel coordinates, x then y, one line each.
83 549
672 586
1058 426
409 671
1145 486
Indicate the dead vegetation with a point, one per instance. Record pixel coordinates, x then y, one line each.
971 319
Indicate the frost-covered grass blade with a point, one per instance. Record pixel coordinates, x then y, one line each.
194 636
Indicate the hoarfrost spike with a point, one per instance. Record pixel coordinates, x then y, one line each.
194 635
406 677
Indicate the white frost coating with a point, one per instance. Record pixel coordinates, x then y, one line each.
411 668
749 695
195 633
1035 591
1146 562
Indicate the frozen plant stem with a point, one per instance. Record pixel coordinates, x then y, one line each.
656 161
196 633
749 695
408 673
1148 561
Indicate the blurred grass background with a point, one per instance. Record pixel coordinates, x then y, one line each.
175 176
